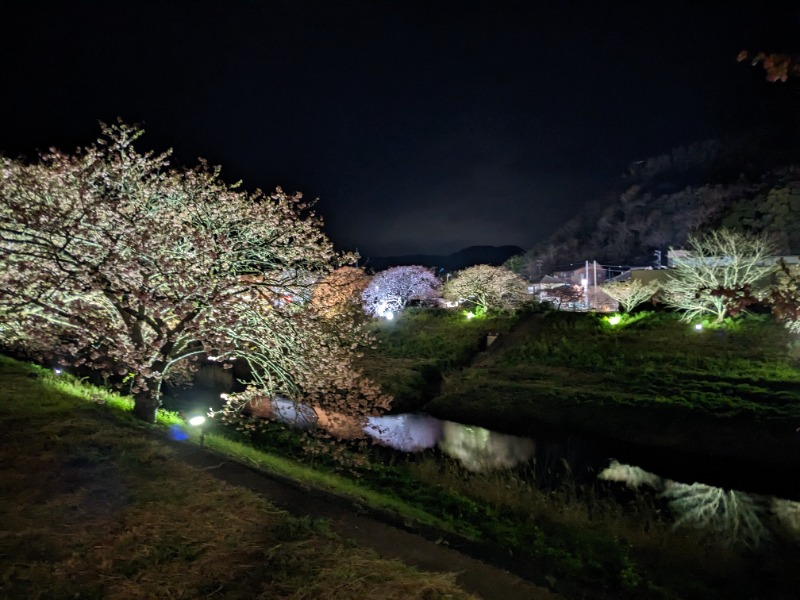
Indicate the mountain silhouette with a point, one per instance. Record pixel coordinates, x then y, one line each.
466 257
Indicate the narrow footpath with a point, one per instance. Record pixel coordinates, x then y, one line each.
352 521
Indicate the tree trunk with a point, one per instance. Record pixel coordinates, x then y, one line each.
146 401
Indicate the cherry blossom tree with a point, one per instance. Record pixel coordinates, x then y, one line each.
487 287
630 293
720 263
562 294
340 292
391 290
117 261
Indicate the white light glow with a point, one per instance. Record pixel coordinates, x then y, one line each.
197 421
698 327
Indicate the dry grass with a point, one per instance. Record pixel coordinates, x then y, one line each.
91 508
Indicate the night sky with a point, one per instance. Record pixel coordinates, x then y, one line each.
421 126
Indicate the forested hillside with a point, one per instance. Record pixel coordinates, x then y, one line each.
746 182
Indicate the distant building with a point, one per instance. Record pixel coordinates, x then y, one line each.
577 275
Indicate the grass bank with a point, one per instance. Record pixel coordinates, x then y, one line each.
732 391
93 507
415 351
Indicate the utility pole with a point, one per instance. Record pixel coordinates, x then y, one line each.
585 282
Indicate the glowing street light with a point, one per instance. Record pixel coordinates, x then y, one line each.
198 421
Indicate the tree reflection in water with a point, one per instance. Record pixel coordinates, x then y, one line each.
479 449
731 517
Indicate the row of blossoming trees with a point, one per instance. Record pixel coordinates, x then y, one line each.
482 287
117 261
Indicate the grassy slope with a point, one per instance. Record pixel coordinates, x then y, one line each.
90 507
655 381
414 351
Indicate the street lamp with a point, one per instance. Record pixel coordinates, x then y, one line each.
198 421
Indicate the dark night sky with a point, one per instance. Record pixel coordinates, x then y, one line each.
423 126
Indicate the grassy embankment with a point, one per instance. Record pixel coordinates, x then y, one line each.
92 506
652 381
576 535
576 538
414 351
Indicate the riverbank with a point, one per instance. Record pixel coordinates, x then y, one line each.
94 506
710 404
572 538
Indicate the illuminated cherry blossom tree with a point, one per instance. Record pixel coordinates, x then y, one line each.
630 293
720 265
340 292
487 287
115 260
391 290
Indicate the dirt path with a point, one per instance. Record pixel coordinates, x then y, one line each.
355 522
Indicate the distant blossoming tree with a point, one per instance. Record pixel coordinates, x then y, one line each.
630 293
564 293
340 292
114 260
487 287
391 290
719 266
784 296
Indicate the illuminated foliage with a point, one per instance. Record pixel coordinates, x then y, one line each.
720 265
487 288
114 260
391 290
563 293
779 67
340 292
784 296
630 293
